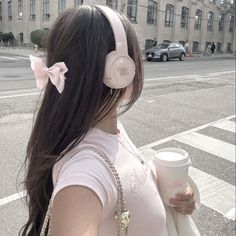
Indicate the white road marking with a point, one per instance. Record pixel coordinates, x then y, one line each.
25 58
209 144
149 83
220 73
226 125
215 193
12 198
231 214
19 95
153 144
15 117
8 58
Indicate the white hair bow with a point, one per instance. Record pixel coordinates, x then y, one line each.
42 73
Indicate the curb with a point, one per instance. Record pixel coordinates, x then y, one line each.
20 52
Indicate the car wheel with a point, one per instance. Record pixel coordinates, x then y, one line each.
182 56
149 59
164 57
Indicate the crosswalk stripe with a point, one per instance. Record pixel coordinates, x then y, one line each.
12 198
215 193
226 125
167 139
209 144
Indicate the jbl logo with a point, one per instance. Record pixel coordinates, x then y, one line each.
123 71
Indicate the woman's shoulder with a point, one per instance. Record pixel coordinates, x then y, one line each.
81 156
85 167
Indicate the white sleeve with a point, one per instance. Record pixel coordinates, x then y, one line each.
88 169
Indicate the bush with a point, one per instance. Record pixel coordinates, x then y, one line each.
5 37
39 37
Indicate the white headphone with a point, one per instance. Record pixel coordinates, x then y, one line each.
120 68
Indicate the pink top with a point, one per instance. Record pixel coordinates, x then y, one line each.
142 197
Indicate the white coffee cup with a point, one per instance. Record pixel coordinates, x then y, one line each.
172 165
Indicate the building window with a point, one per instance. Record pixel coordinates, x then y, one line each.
152 12
221 22
21 37
20 7
195 46
32 10
229 47
184 17
9 8
231 24
78 3
169 17
46 9
218 47
132 10
61 5
210 21
198 20
0 10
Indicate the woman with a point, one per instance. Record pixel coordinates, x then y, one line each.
77 140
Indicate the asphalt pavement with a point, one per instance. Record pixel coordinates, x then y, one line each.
188 104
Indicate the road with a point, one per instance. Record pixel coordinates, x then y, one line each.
188 104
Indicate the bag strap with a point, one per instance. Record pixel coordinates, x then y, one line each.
122 215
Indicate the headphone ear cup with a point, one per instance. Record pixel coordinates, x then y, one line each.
119 71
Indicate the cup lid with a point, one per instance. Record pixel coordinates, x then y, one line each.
172 157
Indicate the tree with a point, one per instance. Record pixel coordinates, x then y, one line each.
229 6
39 37
5 37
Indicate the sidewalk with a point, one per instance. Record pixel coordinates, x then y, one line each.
20 51
216 55
28 51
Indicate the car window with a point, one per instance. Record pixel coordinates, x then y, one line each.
162 46
172 45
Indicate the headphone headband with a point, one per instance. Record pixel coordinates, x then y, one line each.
117 28
120 68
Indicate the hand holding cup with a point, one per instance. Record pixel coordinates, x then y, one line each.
184 202
172 165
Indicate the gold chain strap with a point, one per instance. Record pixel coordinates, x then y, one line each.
122 215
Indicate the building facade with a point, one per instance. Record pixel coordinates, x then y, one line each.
197 21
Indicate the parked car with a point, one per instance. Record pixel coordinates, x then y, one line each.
166 51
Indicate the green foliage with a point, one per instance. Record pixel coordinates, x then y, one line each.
5 37
230 6
39 37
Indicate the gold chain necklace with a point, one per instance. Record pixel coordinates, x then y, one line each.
133 152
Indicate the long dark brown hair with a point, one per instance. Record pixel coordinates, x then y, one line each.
81 38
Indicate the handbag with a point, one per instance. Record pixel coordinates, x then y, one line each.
122 215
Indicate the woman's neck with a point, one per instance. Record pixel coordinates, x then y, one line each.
109 125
